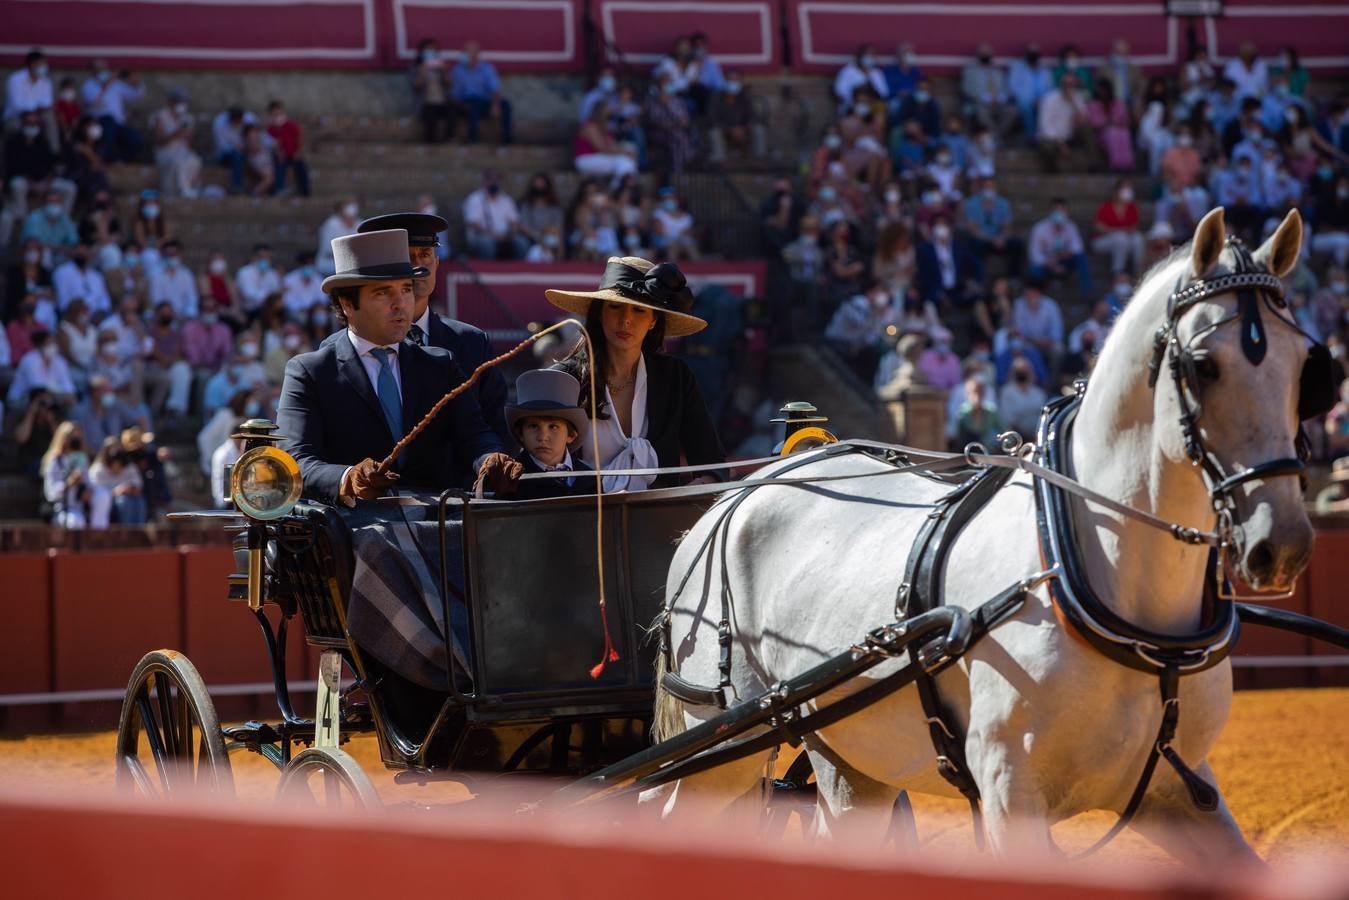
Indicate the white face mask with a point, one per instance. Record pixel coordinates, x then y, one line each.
892 196
350 210
218 267
1126 195
248 350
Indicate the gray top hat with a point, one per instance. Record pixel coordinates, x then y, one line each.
371 257
548 392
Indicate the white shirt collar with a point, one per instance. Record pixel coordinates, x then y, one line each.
424 321
565 464
363 346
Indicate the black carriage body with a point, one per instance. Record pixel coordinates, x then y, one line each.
531 589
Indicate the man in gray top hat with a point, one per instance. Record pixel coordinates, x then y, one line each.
470 345
345 405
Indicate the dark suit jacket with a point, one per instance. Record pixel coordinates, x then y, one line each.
470 348
677 422
581 484
929 269
332 419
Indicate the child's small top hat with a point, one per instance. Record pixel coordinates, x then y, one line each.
551 393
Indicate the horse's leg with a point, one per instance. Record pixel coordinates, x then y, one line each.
850 806
1015 812
1169 819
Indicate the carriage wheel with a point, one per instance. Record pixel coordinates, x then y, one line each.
169 742
329 778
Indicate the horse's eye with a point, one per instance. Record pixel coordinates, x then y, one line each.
1206 369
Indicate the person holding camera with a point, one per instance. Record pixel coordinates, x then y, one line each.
76 502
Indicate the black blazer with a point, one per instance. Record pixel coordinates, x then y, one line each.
332 419
582 483
677 421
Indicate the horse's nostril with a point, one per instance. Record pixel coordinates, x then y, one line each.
1260 560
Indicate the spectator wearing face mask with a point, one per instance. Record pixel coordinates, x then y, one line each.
806 270
1056 249
491 222
945 175
547 247
597 153
301 288
343 221
733 122
179 166
51 226
42 368
243 372
604 93
1121 289
901 76
1181 164
100 415
1039 321
111 364
988 220
476 86
31 167
168 377
1062 119
945 266
1021 399
860 70
227 130
274 361
173 283
78 278
1238 189
1247 72
78 341
431 86
939 363
1028 80
921 107
672 229
668 123
256 281
207 341
1332 223
65 476
1118 234
981 155
287 150
984 87
105 97
1070 63
29 89
1181 208
150 229
843 262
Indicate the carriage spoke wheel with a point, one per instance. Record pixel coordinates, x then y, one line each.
169 742
327 778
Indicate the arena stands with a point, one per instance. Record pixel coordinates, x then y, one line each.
924 208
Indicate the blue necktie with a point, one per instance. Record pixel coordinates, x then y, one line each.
386 386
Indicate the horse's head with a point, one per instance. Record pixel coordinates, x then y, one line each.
1229 376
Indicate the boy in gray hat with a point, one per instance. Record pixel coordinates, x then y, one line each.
548 424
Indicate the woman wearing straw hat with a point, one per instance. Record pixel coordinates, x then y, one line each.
649 410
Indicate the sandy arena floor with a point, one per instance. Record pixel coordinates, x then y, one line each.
1283 763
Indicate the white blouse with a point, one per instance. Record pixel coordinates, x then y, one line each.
616 449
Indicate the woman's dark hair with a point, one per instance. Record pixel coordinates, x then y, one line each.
574 363
547 193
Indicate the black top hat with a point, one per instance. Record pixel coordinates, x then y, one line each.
422 228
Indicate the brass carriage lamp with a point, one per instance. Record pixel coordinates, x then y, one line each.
265 484
799 428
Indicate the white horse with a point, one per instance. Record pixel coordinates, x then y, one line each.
1052 727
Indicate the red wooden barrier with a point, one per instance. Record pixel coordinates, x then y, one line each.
25 623
109 608
78 847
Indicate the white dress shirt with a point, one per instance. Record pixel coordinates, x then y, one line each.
616 449
178 287
256 285
495 215
301 294
564 466
371 362
70 281
23 94
110 99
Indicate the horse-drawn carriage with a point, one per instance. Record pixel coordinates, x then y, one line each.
518 583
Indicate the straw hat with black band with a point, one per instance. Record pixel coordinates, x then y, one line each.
639 282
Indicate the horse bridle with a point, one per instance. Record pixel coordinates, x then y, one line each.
1254 287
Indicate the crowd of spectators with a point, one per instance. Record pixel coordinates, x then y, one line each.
900 250
896 245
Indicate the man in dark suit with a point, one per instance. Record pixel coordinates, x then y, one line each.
469 345
945 266
345 405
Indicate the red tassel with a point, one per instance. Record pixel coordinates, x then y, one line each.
610 654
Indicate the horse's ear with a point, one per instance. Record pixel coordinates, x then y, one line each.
1207 245
1280 252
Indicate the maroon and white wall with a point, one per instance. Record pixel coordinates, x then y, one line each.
549 35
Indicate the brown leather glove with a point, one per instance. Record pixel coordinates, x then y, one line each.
366 481
498 474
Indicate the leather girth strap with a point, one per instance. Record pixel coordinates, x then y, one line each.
921 591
